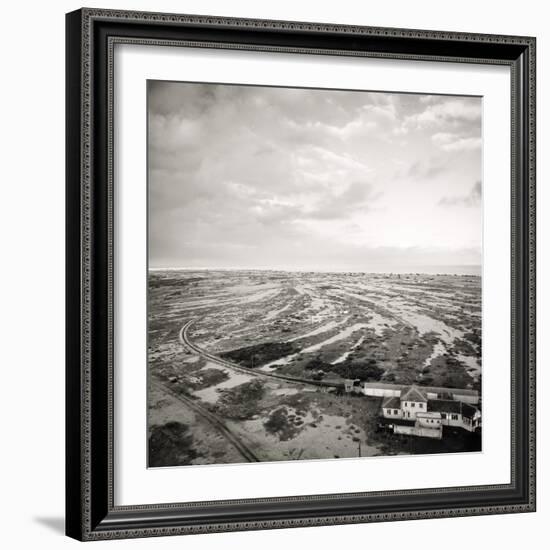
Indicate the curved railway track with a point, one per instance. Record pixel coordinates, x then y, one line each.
214 420
184 339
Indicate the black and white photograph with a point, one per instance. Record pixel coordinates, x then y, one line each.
272 275
314 273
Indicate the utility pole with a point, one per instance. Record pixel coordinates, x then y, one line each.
359 445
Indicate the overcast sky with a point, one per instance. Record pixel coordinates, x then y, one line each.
283 178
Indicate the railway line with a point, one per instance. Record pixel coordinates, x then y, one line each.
184 339
214 420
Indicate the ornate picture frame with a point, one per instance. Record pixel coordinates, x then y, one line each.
92 35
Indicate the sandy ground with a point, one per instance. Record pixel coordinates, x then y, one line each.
209 444
400 329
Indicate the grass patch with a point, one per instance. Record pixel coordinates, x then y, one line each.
241 402
171 445
259 354
209 377
365 370
282 424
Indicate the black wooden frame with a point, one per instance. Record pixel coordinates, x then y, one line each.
91 36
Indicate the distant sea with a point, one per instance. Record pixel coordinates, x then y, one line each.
434 269
422 269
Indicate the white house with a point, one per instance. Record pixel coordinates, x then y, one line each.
414 405
413 401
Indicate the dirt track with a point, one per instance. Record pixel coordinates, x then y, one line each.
217 422
184 339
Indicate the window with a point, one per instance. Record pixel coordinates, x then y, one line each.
395 412
443 415
421 405
454 416
412 405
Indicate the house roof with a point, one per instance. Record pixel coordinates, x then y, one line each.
429 415
431 389
444 406
451 406
413 393
453 391
468 410
391 403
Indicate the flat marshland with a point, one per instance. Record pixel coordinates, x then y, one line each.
249 365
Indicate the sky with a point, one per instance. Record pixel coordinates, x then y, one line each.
306 179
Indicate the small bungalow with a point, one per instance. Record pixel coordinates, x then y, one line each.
456 413
353 386
383 389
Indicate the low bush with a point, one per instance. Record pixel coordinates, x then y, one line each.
241 402
171 445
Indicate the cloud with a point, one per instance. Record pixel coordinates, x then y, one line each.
473 198
270 212
357 197
275 175
332 205
447 110
426 168
453 142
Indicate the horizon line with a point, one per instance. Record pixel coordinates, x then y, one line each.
323 270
